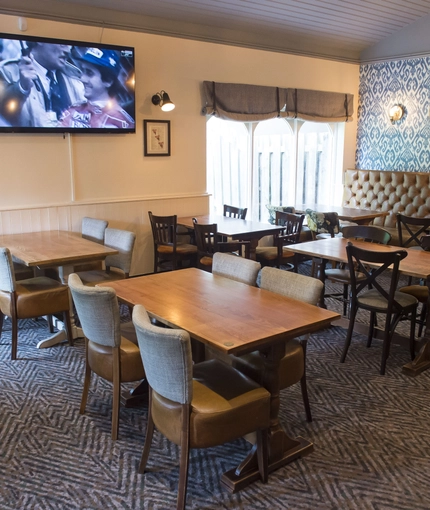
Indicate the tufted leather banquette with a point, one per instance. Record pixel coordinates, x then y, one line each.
396 192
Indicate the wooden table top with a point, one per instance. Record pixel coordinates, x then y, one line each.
416 264
228 315
53 248
344 213
233 227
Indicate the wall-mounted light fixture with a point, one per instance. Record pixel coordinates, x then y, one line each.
396 113
162 99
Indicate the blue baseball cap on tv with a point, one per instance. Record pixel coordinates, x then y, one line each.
103 58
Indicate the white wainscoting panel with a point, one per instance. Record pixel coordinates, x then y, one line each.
128 215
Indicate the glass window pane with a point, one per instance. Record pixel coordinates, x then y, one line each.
273 167
227 163
314 175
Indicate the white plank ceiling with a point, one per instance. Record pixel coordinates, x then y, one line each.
337 29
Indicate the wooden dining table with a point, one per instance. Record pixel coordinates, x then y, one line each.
54 248
358 216
416 265
241 230
232 318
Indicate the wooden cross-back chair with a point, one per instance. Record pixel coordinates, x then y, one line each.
370 294
411 230
368 233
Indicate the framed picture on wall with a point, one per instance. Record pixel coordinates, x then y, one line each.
156 137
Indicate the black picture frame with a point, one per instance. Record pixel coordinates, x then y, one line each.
156 137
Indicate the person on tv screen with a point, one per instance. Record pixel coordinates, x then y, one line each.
100 69
39 85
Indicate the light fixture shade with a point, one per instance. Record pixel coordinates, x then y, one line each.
167 105
396 113
162 99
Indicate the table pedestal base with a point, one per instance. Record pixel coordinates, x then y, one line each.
137 397
247 472
60 337
420 363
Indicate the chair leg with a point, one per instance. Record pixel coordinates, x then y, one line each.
148 436
68 325
386 344
116 391
305 397
412 333
14 338
371 328
423 316
155 260
263 454
87 381
1 322
185 454
345 299
349 333
303 384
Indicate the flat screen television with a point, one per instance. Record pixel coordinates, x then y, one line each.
58 86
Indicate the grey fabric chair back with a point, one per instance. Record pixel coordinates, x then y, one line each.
93 229
293 285
98 312
236 268
123 241
7 276
166 356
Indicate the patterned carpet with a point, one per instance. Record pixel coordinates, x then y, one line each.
371 437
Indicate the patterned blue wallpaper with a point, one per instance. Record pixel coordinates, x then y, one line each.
404 145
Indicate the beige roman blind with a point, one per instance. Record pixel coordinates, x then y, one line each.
252 103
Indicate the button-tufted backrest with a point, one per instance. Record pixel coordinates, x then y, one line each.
397 192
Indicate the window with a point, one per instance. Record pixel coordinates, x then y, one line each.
277 161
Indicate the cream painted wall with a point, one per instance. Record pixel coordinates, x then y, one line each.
52 170
37 169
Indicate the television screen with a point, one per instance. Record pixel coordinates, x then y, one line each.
50 85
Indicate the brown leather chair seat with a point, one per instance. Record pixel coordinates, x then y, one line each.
220 409
26 299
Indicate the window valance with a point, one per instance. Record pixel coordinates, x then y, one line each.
252 103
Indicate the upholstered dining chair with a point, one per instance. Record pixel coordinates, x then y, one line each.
278 254
293 364
200 405
30 298
236 268
370 294
92 229
117 266
109 355
341 275
235 212
167 249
